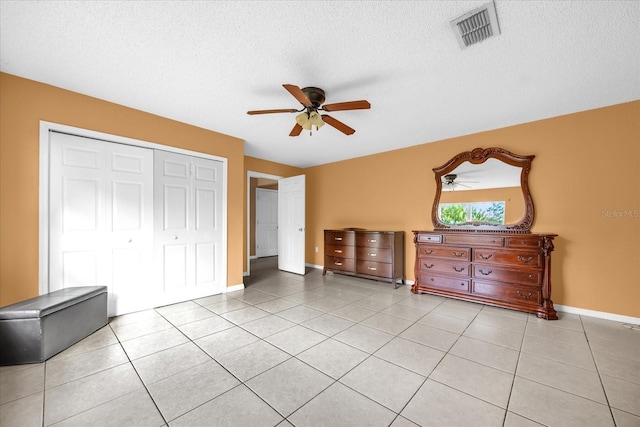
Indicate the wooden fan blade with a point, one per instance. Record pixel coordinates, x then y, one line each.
350 105
284 110
296 130
337 124
298 94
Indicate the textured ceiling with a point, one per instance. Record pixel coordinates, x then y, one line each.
207 63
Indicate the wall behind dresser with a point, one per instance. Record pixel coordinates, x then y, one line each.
585 182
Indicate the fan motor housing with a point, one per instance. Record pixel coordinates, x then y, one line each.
315 95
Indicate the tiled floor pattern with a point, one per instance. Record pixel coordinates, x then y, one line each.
333 351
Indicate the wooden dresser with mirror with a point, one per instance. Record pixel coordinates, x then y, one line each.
482 248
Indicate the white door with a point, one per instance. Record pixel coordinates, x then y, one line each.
188 200
101 219
291 224
266 222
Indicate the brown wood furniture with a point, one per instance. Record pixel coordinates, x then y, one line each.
506 270
503 265
377 255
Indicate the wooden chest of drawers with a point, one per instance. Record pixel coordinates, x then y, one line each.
506 270
375 255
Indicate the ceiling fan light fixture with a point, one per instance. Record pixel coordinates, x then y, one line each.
308 120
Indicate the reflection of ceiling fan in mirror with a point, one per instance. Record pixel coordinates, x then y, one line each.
449 182
312 99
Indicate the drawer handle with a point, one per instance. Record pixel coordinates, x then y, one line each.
337 238
463 284
338 263
458 254
338 251
429 265
525 260
372 240
523 296
428 251
372 268
485 273
372 255
485 257
456 269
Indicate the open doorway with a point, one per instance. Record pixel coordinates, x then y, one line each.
262 237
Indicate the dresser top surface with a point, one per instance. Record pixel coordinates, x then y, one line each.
483 233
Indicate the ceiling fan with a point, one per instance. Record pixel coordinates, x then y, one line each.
449 181
312 99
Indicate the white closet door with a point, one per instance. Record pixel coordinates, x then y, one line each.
188 236
266 222
101 219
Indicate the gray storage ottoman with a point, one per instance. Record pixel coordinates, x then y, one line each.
38 328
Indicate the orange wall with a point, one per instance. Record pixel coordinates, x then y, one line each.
23 103
585 177
587 168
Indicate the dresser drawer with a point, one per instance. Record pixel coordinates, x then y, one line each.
373 254
446 283
339 251
514 294
491 272
512 257
339 237
431 238
371 268
447 267
341 264
472 239
523 242
444 252
374 240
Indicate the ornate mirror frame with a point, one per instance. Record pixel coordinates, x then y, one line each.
478 156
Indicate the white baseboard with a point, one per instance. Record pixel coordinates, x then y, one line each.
317 267
232 288
598 314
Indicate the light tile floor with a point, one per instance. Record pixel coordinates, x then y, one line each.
333 351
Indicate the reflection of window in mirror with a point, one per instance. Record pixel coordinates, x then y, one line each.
484 212
511 198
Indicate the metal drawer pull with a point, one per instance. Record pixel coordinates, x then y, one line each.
524 296
372 240
338 251
458 254
525 260
462 284
429 265
485 256
338 263
372 268
372 255
456 269
428 251
337 238
485 273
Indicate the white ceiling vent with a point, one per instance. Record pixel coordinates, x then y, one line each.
476 26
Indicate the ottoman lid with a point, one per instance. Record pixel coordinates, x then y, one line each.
49 303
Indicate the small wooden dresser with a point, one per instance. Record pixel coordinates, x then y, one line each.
377 255
501 269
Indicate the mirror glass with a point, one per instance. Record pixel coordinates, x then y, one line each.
484 189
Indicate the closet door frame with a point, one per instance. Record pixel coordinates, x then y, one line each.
43 232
